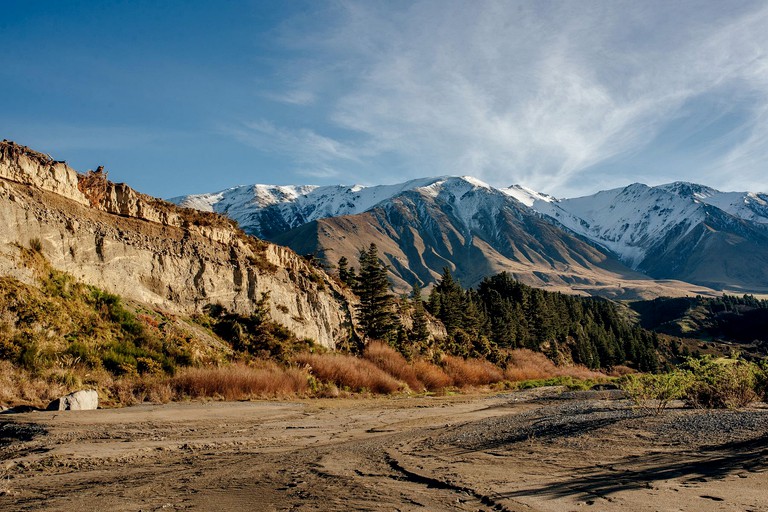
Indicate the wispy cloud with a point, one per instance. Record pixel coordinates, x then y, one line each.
531 92
292 97
304 144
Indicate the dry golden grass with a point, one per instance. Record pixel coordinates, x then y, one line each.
393 362
471 372
526 364
20 387
136 390
349 372
240 382
432 376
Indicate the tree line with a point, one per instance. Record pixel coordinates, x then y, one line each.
499 314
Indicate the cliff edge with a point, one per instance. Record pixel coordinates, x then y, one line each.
145 249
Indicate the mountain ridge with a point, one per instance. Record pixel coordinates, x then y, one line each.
640 226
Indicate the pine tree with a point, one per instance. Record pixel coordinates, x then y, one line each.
377 318
345 274
420 331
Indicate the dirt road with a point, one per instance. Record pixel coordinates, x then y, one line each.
530 451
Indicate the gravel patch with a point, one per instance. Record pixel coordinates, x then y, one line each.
710 426
549 424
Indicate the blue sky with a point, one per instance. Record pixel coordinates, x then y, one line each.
177 97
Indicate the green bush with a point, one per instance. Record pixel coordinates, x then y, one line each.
654 392
724 383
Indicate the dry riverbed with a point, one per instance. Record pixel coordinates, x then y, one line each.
538 450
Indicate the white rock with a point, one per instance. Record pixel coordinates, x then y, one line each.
83 400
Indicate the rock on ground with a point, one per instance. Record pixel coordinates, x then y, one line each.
84 400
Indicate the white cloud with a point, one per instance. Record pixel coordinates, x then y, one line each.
530 92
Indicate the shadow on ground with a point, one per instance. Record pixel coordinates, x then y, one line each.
713 462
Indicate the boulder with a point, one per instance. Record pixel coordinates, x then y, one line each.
83 400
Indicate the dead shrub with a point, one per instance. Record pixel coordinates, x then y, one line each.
393 362
349 372
471 372
240 382
432 376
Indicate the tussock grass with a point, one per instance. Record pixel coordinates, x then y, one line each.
241 382
393 362
432 376
349 372
525 364
471 372
20 386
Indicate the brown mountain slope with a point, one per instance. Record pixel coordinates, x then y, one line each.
145 249
419 235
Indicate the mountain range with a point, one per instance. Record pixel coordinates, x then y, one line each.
631 242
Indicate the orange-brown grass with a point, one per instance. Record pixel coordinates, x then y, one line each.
524 364
349 372
471 372
241 382
620 370
432 376
393 362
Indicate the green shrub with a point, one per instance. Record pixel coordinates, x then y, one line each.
652 392
723 383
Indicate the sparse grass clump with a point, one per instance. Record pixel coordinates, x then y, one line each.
36 245
349 372
391 361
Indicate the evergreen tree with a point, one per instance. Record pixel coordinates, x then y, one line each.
345 274
420 331
376 309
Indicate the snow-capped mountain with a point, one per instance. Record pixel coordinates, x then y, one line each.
469 227
628 221
268 210
674 231
678 230
744 205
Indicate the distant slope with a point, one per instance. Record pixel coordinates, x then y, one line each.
728 318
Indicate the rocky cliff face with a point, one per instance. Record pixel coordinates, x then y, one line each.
145 249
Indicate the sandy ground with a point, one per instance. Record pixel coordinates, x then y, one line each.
531 451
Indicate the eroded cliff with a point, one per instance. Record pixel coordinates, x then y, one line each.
146 249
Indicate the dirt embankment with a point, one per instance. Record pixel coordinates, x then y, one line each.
530 451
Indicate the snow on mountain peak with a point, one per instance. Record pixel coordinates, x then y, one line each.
526 195
627 221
